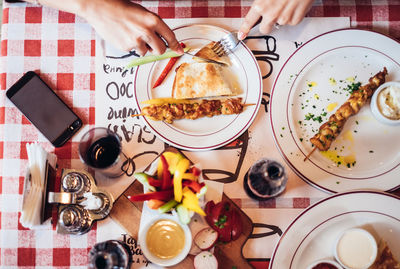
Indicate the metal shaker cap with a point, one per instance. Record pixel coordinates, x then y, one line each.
75 182
74 219
69 217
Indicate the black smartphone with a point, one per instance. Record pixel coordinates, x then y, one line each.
44 109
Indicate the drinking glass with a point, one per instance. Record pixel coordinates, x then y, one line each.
265 179
101 150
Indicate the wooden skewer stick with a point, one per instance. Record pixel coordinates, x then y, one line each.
309 154
244 105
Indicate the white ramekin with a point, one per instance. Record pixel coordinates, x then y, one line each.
374 104
371 240
165 262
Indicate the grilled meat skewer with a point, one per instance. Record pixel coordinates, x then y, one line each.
332 128
169 112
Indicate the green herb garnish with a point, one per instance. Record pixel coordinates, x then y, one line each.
353 87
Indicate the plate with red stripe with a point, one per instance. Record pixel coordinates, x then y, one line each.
312 235
312 84
209 132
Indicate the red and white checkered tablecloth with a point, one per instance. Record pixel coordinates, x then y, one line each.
61 47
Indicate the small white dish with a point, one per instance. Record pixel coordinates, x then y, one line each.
376 104
161 261
325 261
356 248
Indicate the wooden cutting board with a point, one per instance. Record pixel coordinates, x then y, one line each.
127 214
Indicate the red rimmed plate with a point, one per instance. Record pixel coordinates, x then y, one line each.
204 133
311 84
312 235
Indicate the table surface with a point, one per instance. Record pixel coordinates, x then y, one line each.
35 37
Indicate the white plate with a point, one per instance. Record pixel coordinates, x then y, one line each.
305 84
311 236
204 133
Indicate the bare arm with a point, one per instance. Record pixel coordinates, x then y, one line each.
124 24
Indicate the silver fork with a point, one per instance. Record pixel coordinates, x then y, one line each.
226 44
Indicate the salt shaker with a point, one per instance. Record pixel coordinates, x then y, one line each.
80 202
266 178
75 182
110 254
74 219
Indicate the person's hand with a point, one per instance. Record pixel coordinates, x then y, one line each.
129 26
282 12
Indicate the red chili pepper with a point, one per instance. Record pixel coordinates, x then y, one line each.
166 70
166 175
165 195
154 182
193 185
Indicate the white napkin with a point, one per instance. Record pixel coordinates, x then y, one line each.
35 186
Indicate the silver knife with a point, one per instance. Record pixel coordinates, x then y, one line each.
204 59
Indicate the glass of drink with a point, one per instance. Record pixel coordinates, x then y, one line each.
110 254
101 150
265 179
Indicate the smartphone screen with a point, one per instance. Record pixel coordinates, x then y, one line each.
44 109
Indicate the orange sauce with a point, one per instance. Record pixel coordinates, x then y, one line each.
165 239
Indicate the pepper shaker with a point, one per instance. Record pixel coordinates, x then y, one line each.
74 219
76 182
80 202
265 179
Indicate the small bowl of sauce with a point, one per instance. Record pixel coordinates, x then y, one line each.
356 248
165 241
385 103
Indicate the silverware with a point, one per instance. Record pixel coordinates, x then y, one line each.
204 59
226 44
